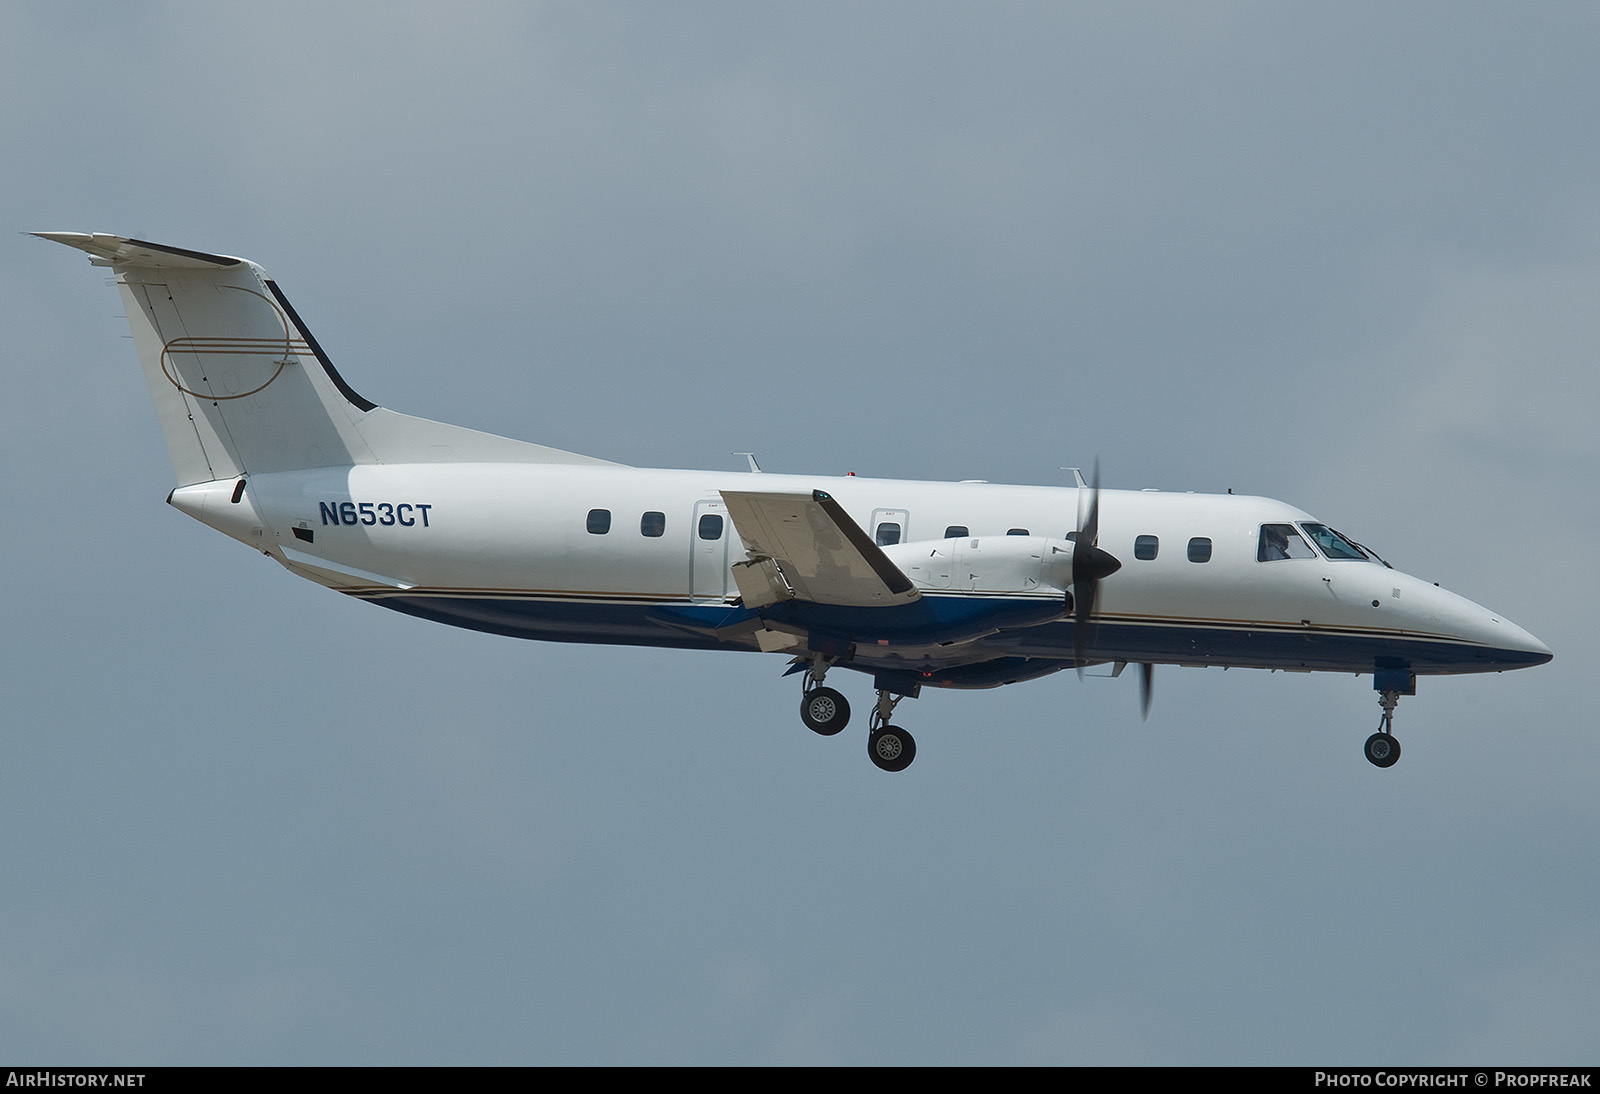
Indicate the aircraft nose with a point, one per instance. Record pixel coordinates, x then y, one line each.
1520 648
1488 641
1506 645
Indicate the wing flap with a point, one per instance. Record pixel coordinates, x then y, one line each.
822 555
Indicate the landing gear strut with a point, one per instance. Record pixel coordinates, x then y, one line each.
823 710
1390 682
889 747
1382 748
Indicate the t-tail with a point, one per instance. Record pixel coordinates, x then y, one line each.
242 388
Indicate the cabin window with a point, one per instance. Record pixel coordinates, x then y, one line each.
956 531
599 522
888 533
652 524
710 526
1016 531
1145 547
1199 549
1280 541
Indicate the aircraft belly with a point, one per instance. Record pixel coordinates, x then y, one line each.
927 621
1266 645
1045 647
557 620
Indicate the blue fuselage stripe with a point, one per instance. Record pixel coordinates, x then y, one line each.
1243 645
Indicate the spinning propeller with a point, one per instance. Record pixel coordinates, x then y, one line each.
1090 565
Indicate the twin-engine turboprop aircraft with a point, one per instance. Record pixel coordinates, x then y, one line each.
918 584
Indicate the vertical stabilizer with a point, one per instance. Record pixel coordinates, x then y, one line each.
241 387
236 385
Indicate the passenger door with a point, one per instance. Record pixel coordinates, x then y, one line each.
710 531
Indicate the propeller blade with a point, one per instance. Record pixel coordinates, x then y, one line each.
1089 565
1089 530
1147 681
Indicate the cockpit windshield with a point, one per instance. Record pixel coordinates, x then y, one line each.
1332 544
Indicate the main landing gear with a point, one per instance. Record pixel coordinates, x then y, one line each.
826 712
823 710
890 747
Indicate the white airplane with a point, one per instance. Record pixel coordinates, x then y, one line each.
919 584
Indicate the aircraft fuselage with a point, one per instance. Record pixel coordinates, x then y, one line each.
644 556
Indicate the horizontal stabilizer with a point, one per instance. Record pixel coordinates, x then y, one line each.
121 251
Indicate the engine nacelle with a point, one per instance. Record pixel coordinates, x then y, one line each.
986 564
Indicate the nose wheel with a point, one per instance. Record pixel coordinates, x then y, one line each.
1382 749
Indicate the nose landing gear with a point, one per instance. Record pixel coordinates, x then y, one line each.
1382 749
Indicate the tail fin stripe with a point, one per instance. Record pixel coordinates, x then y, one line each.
212 347
327 366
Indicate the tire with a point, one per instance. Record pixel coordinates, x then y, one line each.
891 748
824 711
1382 750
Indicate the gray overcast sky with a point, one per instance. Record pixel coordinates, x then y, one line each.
1345 255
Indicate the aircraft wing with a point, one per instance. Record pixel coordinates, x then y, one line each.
820 554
